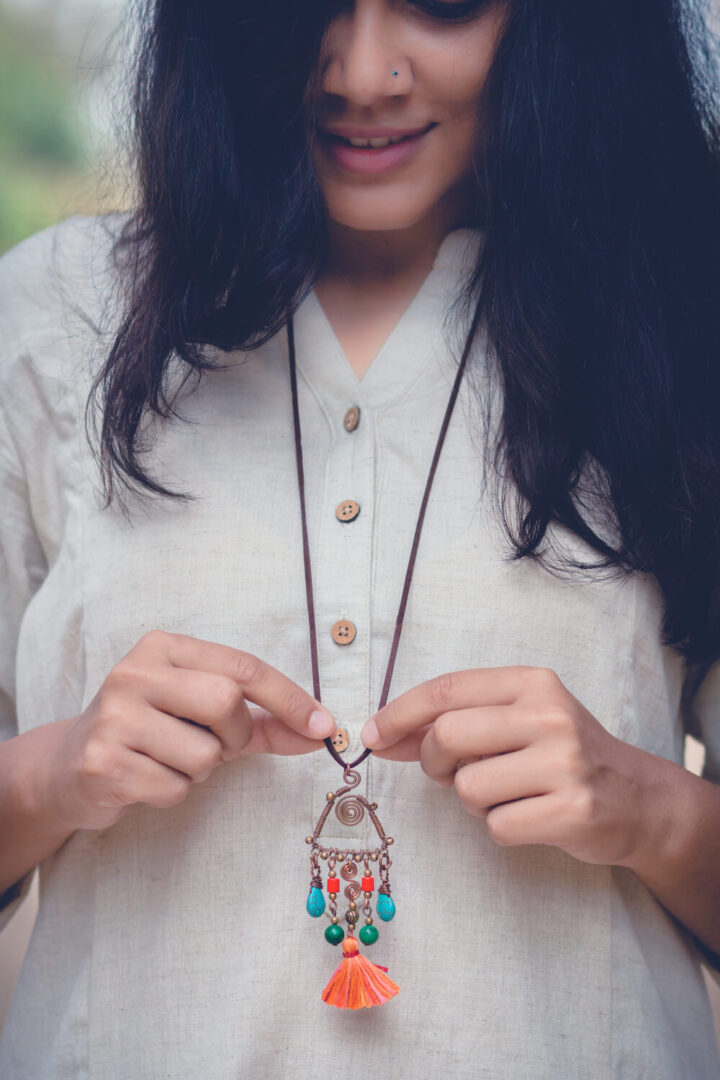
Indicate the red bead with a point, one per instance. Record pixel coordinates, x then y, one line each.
333 884
368 884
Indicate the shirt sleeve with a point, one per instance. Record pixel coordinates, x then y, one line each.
22 569
700 707
54 286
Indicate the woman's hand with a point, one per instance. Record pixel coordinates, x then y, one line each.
525 754
132 744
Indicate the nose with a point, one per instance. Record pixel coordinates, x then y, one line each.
363 49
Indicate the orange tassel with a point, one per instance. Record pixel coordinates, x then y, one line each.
358 983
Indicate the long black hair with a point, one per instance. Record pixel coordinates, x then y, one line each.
598 280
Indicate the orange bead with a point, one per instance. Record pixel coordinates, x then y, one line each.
368 884
333 884
350 947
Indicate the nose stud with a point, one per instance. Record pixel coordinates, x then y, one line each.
396 74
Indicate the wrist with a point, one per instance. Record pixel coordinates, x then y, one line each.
664 816
678 856
30 827
35 781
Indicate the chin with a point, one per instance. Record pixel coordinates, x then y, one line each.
380 214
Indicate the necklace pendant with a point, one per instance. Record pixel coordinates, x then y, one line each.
357 982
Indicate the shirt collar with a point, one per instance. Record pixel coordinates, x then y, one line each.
408 357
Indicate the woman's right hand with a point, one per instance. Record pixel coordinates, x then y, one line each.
132 743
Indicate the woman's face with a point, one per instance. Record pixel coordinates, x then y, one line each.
441 64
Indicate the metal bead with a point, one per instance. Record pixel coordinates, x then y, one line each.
373 856
331 873
373 806
389 840
334 919
368 895
341 856
323 854
308 839
368 921
330 796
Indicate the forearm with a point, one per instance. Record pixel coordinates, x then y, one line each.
28 831
679 856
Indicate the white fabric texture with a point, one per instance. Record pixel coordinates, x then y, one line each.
176 943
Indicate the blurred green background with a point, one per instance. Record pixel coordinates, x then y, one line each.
57 61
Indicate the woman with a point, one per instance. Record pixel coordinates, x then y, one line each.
552 207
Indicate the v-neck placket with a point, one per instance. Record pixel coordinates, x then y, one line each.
412 362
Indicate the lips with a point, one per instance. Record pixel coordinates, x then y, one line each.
369 159
356 132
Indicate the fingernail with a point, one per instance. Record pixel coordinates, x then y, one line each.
321 724
370 734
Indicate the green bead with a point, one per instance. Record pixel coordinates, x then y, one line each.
334 934
368 935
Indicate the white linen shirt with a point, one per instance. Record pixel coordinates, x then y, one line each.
176 943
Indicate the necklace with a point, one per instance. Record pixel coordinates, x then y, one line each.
356 982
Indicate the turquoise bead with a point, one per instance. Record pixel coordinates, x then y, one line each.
385 907
315 902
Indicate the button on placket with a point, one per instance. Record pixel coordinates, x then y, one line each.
341 740
347 510
343 632
351 418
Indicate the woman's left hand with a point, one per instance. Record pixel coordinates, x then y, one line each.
529 757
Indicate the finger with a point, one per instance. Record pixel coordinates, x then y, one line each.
529 821
261 683
162 742
191 750
472 733
272 736
142 779
214 702
499 779
455 690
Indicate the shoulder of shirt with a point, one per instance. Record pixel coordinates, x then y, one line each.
57 291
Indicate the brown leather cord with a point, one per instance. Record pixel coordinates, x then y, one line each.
416 540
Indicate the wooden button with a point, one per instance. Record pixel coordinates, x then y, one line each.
351 418
341 740
347 510
343 632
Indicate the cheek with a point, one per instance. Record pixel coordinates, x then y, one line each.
459 131
459 138
454 80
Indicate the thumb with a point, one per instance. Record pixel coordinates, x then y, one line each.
407 748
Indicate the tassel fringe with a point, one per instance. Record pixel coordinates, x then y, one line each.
357 983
